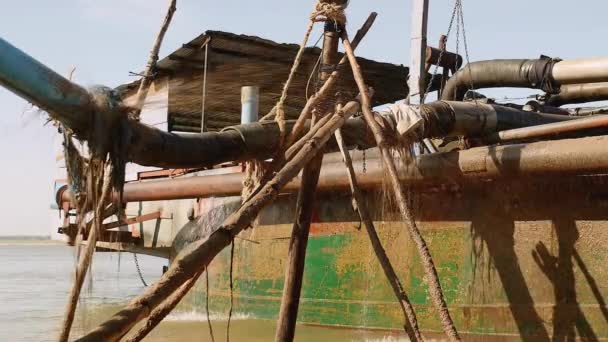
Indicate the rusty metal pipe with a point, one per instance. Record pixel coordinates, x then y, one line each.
534 106
453 118
519 73
548 158
544 73
579 93
152 147
147 146
600 121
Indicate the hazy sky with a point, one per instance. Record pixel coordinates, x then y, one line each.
105 39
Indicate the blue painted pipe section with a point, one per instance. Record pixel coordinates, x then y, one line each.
250 102
33 81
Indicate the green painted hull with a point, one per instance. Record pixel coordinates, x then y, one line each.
516 261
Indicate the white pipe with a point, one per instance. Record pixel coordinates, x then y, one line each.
250 99
581 71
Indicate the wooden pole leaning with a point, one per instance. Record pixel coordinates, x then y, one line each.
411 322
435 290
196 259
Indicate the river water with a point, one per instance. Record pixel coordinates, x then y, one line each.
35 280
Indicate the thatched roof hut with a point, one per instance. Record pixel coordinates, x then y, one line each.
234 61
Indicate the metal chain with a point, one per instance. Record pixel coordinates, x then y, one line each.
141 277
457 31
466 47
364 162
441 53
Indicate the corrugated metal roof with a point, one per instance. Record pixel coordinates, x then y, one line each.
239 60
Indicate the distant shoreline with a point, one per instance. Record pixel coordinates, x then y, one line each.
25 237
27 240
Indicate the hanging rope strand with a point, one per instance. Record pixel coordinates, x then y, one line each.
207 304
100 180
231 292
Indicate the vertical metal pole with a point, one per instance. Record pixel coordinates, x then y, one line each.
417 79
420 9
250 100
204 89
294 270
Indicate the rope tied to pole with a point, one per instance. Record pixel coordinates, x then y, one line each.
256 171
323 12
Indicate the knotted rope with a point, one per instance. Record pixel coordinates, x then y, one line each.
326 11
255 171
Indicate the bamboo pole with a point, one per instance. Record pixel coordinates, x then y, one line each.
293 149
203 252
148 74
158 314
399 192
411 323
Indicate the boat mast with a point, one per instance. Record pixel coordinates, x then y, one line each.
417 79
417 75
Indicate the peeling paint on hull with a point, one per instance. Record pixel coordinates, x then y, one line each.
516 260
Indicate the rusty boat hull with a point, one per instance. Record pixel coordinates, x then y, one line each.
517 259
